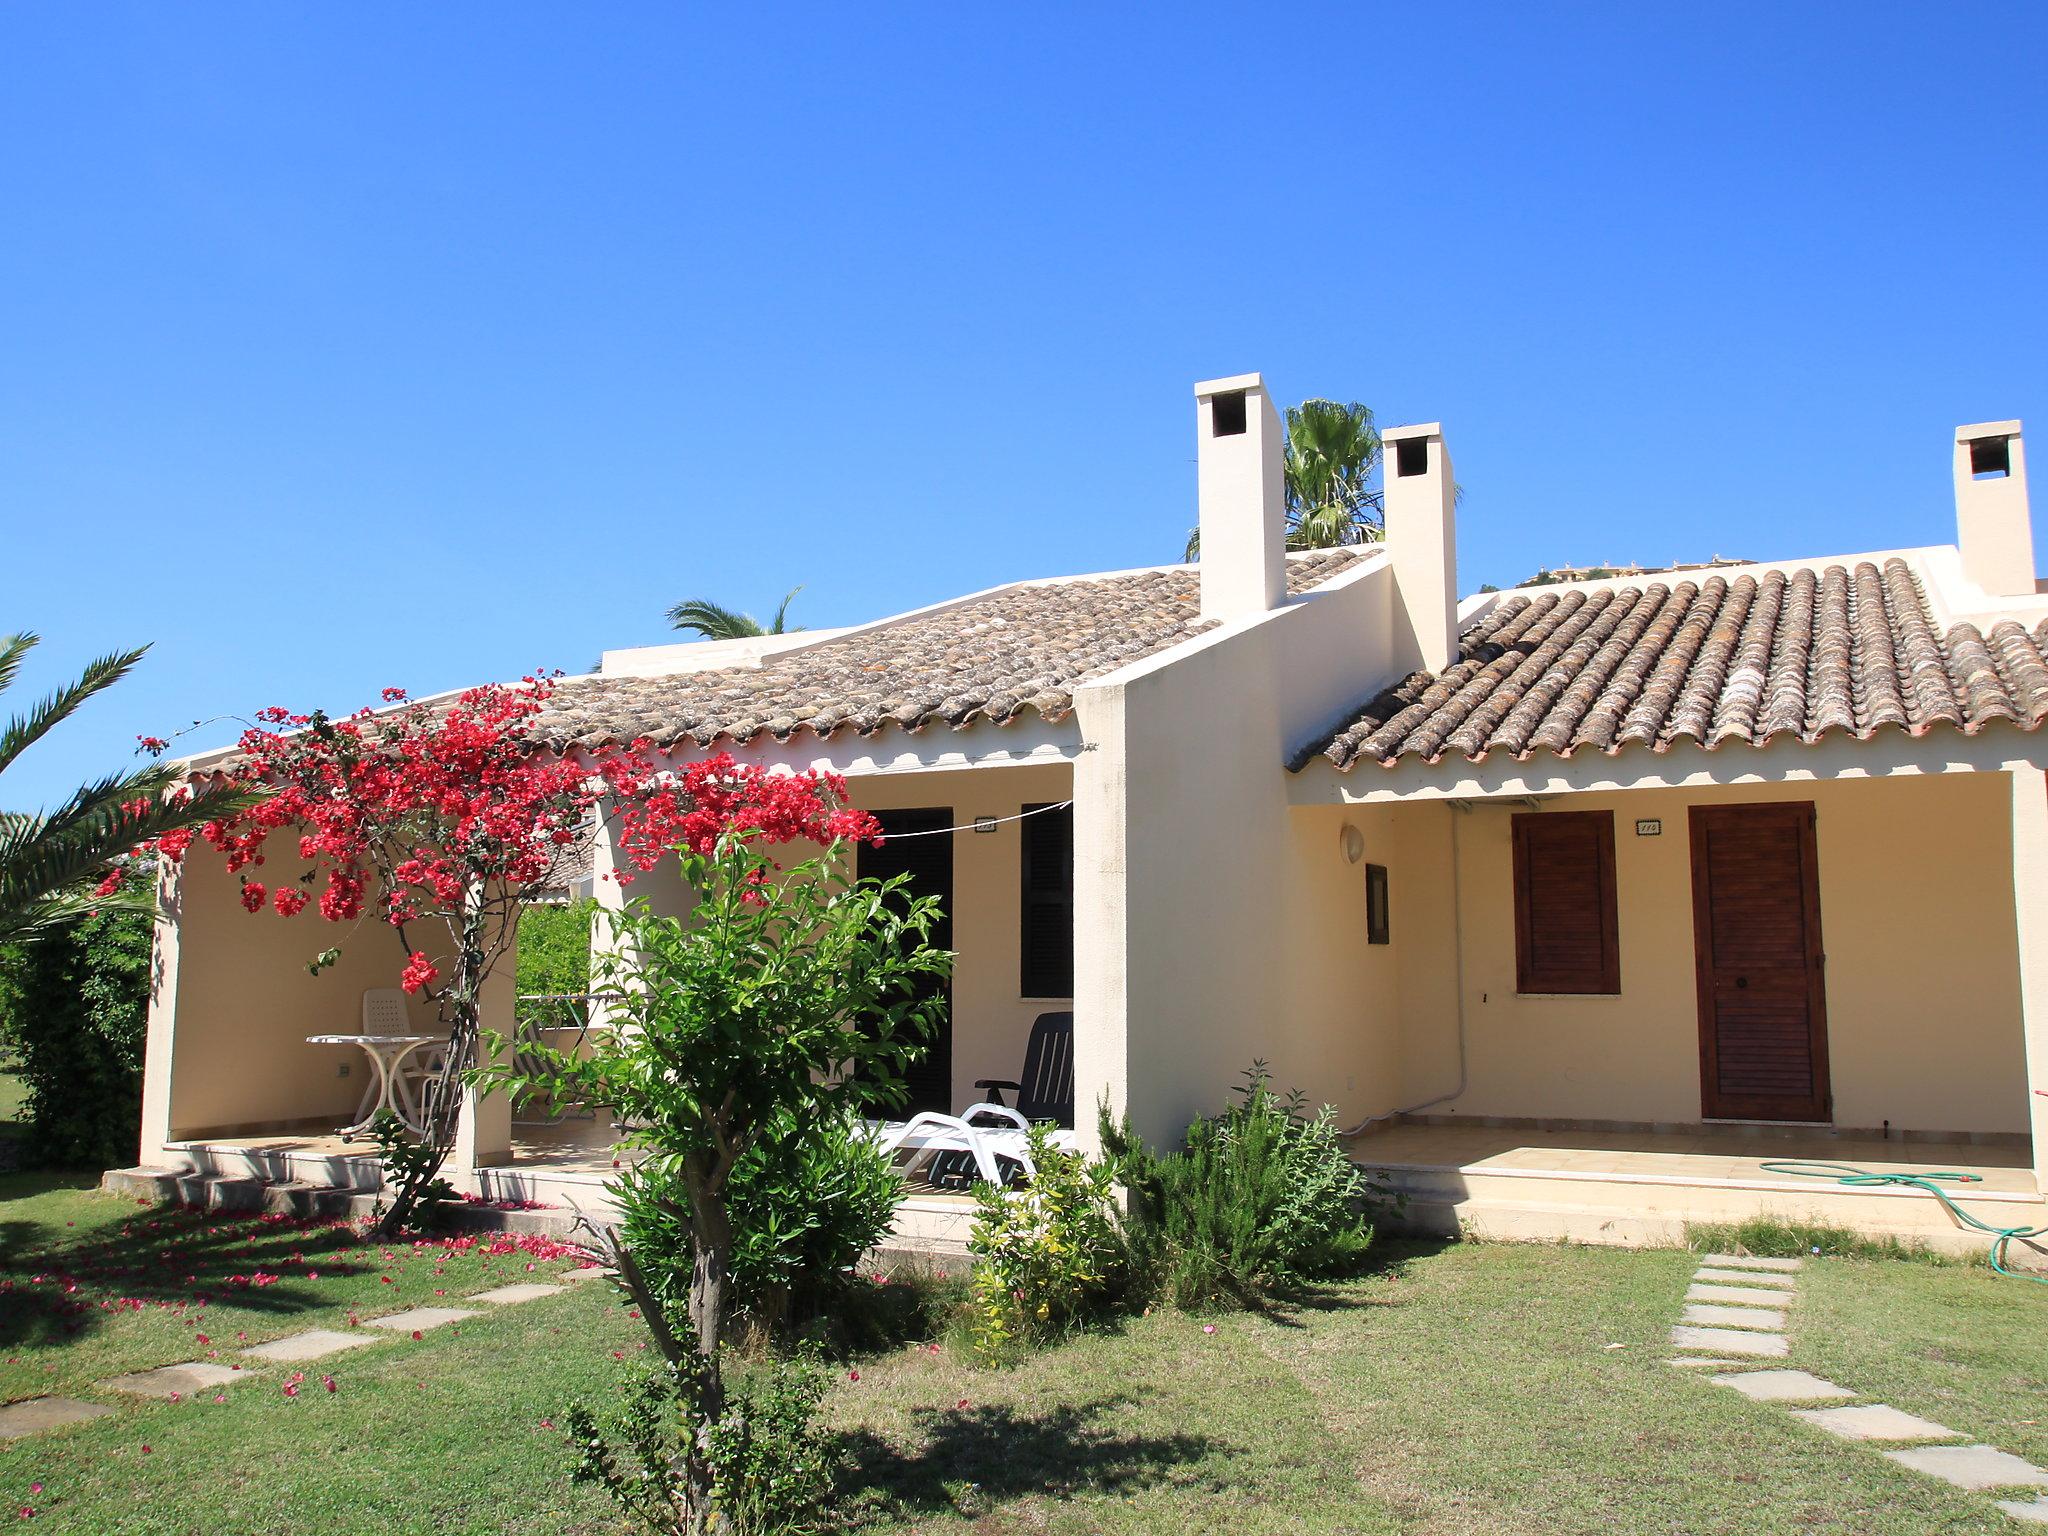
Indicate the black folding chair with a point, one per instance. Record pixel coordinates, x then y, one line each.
1047 1091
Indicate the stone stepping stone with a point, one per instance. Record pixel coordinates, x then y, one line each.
1692 1360
1783 1386
1768 1285
1730 1341
506 1295
1737 1295
2030 1512
1734 1317
310 1345
168 1379
40 1413
421 1318
1749 1261
1972 1466
1875 1421
595 1272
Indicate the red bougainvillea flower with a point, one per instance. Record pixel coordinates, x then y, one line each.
420 971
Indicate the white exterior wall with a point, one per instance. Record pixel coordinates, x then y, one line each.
1210 920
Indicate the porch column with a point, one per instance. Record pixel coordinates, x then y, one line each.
483 1136
2030 911
163 1018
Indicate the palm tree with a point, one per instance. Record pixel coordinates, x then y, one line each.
1333 458
50 861
714 621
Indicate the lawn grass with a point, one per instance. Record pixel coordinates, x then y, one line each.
1966 1347
13 1099
1463 1389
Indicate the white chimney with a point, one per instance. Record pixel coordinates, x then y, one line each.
1993 528
1241 491
1422 544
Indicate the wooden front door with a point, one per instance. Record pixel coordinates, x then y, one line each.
1757 951
928 860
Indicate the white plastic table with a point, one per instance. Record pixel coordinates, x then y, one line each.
387 1055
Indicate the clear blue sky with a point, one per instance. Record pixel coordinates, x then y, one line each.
355 345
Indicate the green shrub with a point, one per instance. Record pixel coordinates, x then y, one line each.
77 1012
804 1209
770 1470
1259 1198
554 951
1045 1255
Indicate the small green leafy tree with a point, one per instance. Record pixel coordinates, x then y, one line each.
1259 1197
788 1000
1044 1255
804 1208
769 1473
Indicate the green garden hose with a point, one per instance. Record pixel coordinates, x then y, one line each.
1842 1173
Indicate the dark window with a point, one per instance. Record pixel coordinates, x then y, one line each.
1376 904
1227 415
1048 914
1411 457
1566 934
1990 458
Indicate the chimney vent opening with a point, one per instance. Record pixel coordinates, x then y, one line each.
1411 456
1227 415
1990 458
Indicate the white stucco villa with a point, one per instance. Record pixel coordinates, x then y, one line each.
1582 901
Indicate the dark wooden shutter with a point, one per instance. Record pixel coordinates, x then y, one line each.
1046 940
1566 932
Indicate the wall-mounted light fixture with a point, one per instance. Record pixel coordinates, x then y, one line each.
1352 842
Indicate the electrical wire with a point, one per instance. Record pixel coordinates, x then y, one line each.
976 826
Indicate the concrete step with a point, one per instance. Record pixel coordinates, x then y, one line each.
187 1186
1664 1224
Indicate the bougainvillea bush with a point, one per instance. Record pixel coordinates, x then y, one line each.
434 817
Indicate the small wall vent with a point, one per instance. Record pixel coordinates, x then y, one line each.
1411 457
1227 415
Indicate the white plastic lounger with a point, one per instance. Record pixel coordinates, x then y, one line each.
991 1134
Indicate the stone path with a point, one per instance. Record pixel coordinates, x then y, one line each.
1737 1306
169 1382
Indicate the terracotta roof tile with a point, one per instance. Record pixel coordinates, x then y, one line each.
1808 652
1021 649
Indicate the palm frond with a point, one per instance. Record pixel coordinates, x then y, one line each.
12 650
49 862
783 612
24 731
714 621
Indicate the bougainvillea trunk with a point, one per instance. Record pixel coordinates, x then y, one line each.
461 1012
